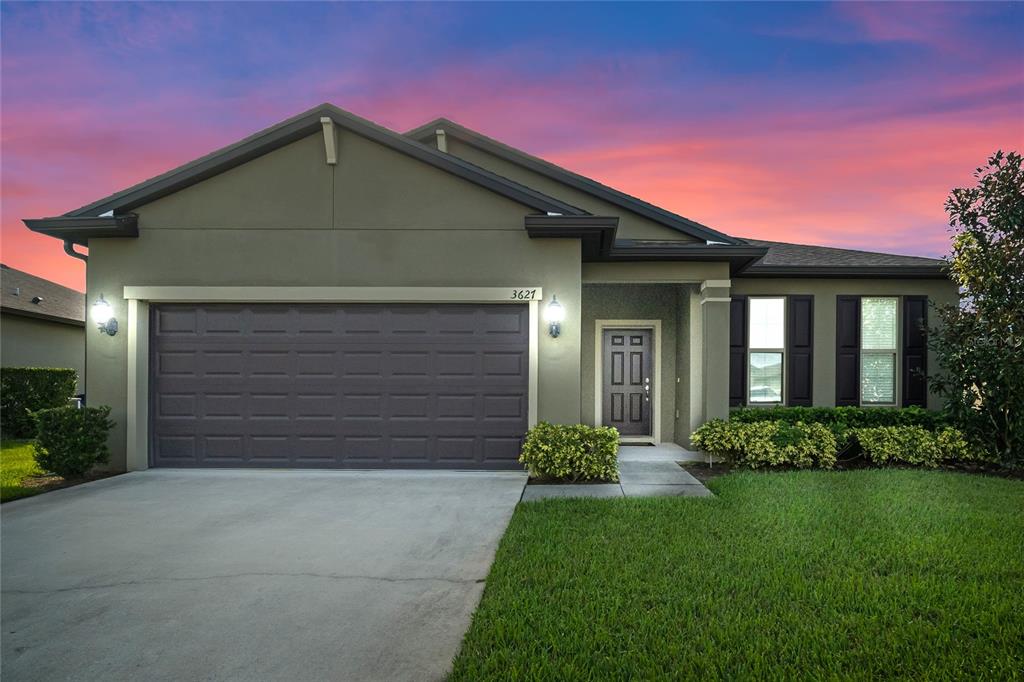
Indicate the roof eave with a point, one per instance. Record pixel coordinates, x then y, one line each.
80 229
7 310
597 233
739 257
579 182
303 125
849 272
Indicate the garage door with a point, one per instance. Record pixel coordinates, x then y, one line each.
338 386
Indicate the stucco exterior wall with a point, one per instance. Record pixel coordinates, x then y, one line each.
30 342
378 218
633 302
825 292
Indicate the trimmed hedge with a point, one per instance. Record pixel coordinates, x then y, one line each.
23 390
914 445
573 452
845 417
72 440
769 443
781 443
843 420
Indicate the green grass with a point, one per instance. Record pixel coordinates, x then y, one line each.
16 464
803 575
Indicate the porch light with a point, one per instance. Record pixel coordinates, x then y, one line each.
103 316
554 314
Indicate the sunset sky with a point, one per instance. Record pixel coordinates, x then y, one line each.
838 124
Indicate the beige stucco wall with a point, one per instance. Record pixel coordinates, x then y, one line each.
631 225
825 292
30 342
379 218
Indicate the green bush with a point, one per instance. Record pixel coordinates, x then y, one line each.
914 445
845 417
23 390
768 443
573 452
71 440
843 420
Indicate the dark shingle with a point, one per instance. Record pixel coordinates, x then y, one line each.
784 255
54 301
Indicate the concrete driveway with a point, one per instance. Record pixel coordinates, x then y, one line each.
260 575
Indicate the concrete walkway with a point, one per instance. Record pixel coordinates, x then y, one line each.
644 471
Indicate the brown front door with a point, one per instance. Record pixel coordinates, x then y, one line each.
627 367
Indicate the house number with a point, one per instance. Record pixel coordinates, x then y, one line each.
524 294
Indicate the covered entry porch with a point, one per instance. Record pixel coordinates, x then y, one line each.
654 348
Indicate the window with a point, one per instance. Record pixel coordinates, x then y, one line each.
767 343
878 351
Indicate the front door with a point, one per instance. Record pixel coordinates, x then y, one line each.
627 367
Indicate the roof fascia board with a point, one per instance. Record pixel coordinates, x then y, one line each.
80 229
42 316
860 272
301 126
567 177
596 232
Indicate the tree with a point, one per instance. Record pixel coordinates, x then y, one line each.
979 344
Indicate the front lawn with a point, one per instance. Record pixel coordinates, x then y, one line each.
802 575
16 465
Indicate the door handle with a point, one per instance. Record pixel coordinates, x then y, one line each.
647 388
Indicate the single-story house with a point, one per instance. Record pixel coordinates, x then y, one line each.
42 324
332 293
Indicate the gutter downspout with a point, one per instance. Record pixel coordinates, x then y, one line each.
69 248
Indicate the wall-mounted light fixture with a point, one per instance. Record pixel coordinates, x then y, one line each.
103 316
554 313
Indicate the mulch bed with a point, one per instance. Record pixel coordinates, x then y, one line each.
48 482
703 473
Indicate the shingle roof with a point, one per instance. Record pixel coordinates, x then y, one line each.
567 177
783 257
27 294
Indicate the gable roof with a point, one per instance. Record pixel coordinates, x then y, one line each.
279 135
31 296
112 217
784 259
575 180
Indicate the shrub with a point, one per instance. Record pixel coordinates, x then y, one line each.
890 444
574 452
23 390
843 420
915 445
769 443
845 417
72 440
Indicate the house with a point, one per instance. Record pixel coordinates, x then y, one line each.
42 324
331 293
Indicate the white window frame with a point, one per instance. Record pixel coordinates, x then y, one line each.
894 353
780 351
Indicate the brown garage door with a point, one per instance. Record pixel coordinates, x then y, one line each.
338 386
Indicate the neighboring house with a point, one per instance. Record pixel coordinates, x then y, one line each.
42 324
330 293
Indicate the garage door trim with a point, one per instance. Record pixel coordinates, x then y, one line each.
138 299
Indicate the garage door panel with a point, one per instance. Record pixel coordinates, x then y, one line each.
359 385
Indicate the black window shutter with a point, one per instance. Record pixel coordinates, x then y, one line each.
847 350
915 351
800 342
737 351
